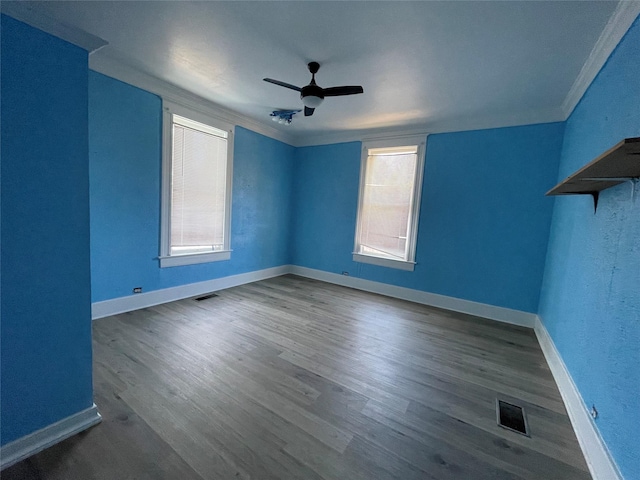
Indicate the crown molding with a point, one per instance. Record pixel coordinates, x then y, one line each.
460 124
22 12
328 138
111 67
106 64
618 24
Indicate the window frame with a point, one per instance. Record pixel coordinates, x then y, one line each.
409 263
166 258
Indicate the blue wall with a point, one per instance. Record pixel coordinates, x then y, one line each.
125 164
299 206
325 199
483 230
590 299
484 221
46 302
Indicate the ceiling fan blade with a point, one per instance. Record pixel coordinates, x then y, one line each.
282 84
339 91
308 111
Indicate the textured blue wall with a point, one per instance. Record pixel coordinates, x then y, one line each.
46 302
590 300
325 199
482 236
125 165
484 221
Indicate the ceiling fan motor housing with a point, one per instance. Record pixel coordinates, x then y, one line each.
311 90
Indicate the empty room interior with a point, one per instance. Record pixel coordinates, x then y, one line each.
320 240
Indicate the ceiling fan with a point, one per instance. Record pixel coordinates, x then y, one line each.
312 95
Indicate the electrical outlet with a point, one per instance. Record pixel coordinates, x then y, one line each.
137 290
594 412
345 273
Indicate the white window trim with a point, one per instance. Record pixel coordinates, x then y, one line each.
420 141
166 259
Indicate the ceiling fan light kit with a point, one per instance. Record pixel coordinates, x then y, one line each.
312 101
312 95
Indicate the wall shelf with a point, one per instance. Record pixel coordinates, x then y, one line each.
619 164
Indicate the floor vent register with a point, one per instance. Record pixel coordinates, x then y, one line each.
206 297
512 417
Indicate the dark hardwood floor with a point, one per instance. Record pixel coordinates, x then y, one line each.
295 378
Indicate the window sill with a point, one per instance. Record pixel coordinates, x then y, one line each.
194 258
384 262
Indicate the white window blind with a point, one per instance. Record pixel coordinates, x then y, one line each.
198 187
388 206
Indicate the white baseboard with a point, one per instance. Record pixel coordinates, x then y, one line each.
44 438
501 314
156 297
599 460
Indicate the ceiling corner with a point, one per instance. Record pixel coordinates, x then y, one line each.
619 23
25 13
111 67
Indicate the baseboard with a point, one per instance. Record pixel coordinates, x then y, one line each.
599 460
44 438
500 314
157 297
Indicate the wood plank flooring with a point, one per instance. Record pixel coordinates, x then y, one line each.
291 378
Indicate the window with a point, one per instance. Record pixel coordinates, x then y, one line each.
389 202
196 197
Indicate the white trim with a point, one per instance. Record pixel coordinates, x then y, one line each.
500 314
112 67
165 182
46 437
156 297
600 462
213 125
617 26
23 12
202 127
194 258
107 65
400 140
384 143
206 118
456 124
384 262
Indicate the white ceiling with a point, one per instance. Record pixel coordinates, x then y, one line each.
431 66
